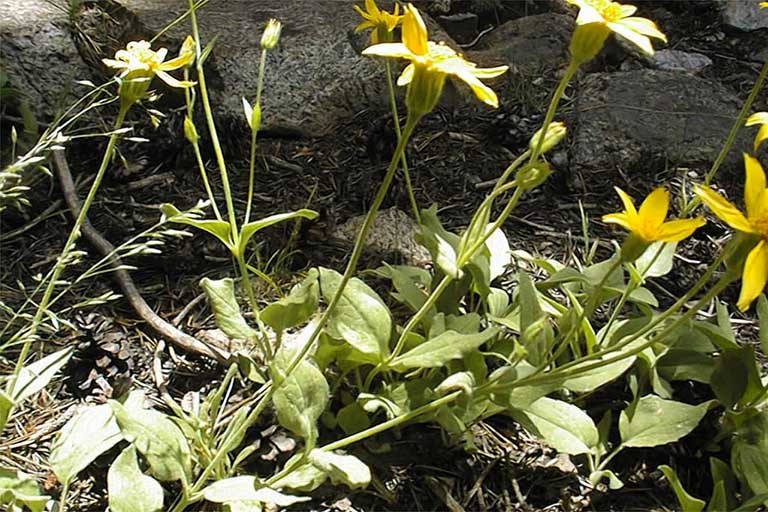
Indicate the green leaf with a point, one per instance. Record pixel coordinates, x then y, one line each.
18 489
724 489
130 490
247 488
6 407
157 438
686 365
250 229
687 502
34 377
360 317
217 228
301 397
614 482
460 381
226 310
304 478
649 264
535 331
593 379
563 426
441 244
352 418
435 352
657 421
724 322
501 257
89 433
297 307
762 318
342 469
750 463
736 378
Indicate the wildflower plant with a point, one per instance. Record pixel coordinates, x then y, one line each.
458 347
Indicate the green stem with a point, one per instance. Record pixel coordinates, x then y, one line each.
737 125
263 341
550 115
74 234
254 134
398 132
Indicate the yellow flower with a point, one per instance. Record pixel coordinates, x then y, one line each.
382 22
598 18
755 274
649 224
760 118
139 64
271 34
764 5
430 64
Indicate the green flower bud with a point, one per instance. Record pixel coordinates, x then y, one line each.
555 133
190 132
271 34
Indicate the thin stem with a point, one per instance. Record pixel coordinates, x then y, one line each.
74 234
549 117
246 280
737 125
398 132
254 134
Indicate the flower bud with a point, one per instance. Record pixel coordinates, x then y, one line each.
190 132
252 115
555 133
271 34
533 174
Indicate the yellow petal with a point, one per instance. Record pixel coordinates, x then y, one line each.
755 275
117 64
630 35
654 209
364 25
168 79
622 219
482 91
629 204
406 76
676 230
371 7
644 26
415 31
587 15
757 118
754 186
762 136
627 10
398 50
724 209
489 72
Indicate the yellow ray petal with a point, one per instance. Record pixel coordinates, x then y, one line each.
168 79
406 76
629 204
757 118
415 31
618 218
753 186
676 230
755 275
644 26
762 136
482 91
655 207
724 209
389 50
627 10
627 33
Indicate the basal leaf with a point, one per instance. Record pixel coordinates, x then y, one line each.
300 398
247 488
297 307
342 469
89 433
218 228
250 229
304 478
657 421
360 317
593 379
18 490
435 352
653 263
130 490
156 436
34 377
441 244
736 378
687 502
226 310
352 418
563 426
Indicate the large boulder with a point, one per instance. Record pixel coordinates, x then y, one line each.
629 120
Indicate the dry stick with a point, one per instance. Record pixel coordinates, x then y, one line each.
123 278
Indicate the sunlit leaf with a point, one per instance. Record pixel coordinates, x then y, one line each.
342 469
563 426
437 351
687 502
247 488
656 421
89 433
130 490
18 489
441 244
297 307
218 228
226 310
593 379
250 229
34 377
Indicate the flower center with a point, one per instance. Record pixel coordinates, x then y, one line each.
760 223
609 10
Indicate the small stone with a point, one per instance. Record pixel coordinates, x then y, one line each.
675 60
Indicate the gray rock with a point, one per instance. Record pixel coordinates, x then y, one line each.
39 56
630 121
746 15
675 60
527 44
462 27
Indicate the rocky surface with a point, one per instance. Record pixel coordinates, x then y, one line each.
675 60
744 15
631 121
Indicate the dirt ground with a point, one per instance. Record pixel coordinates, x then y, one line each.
454 150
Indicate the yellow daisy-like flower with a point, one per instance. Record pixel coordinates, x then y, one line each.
139 64
759 118
755 274
381 22
598 18
648 224
430 64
